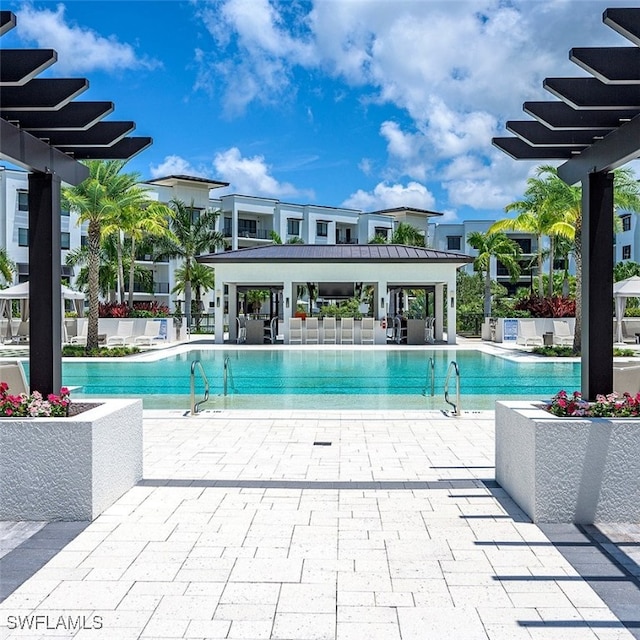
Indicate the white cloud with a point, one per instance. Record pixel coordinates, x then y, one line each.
250 175
79 49
175 165
388 196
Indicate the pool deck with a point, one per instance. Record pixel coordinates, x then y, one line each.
300 525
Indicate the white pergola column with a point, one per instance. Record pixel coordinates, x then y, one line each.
233 312
234 228
452 303
288 305
439 311
381 305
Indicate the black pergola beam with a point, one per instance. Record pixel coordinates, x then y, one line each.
560 115
43 94
125 148
611 65
518 149
618 148
590 93
18 66
75 116
7 21
537 135
625 21
102 134
23 149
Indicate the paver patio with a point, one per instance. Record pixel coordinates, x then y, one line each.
390 526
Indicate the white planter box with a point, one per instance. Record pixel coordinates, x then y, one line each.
580 470
69 468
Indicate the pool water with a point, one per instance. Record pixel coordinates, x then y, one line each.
323 379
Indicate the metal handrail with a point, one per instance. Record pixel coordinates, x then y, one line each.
453 366
195 406
432 378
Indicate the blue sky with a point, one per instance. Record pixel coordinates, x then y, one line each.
367 104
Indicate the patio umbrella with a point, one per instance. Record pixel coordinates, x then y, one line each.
623 289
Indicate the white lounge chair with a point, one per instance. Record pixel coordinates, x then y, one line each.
81 335
123 335
562 334
346 331
12 373
367 331
330 333
295 330
271 330
429 330
527 335
399 330
312 333
151 333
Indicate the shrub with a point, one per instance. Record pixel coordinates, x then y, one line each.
555 307
78 351
609 406
33 405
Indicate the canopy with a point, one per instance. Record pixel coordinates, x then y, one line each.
21 292
623 289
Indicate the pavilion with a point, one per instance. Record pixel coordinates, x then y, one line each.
388 268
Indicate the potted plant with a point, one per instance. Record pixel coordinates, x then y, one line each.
62 464
569 460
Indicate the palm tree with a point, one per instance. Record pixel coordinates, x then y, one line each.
192 233
141 219
408 235
203 279
98 200
494 245
7 266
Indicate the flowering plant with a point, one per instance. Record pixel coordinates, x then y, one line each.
33 405
611 405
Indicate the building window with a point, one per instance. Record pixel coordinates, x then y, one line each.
247 228
64 213
454 243
84 241
65 240
381 232
322 229
524 244
626 223
293 227
228 227
23 201
626 252
23 237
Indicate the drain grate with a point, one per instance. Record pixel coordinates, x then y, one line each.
321 443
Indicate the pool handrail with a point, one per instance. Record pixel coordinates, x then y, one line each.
195 406
431 372
453 366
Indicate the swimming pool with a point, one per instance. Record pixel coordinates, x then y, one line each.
322 378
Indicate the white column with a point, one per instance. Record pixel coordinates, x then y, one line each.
218 303
439 311
234 227
452 303
381 305
289 306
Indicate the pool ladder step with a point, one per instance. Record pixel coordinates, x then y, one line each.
453 370
195 406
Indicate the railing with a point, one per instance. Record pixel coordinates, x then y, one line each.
453 368
195 406
227 376
431 378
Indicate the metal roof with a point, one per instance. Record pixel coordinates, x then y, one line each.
336 253
596 126
43 128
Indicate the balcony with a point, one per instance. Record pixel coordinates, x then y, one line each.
158 288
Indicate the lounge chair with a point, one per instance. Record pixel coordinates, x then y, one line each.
123 335
562 334
271 330
429 330
295 330
241 327
399 331
346 331
312 333
12 373
151 333
330 333
527 335
367 331
81 335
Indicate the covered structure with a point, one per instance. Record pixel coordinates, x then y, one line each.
623 289
338 268
44 130
595 127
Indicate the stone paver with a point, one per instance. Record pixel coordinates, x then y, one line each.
243 528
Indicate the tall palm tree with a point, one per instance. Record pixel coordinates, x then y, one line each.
203 279
407 234
136 222
99 199
192 233
494 245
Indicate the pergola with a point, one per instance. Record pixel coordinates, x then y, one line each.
596 128
338 267
45 131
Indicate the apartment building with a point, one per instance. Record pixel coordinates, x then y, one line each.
245 221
